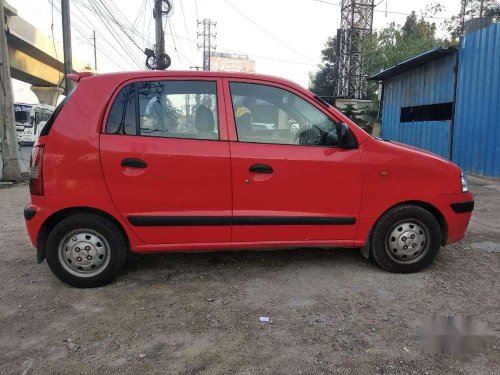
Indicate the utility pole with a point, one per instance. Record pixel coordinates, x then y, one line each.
95 51
356 23
11 166
158 59
66 30
207 35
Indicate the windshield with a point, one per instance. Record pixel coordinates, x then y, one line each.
22 117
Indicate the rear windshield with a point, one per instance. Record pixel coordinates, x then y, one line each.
52 118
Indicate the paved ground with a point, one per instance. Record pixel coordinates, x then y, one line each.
331 311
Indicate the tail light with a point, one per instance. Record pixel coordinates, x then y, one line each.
36 172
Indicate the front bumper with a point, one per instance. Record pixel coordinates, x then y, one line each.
457 211
463 207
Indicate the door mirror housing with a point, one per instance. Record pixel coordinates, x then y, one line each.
346 138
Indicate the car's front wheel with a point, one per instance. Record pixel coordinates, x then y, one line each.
407 238
86 250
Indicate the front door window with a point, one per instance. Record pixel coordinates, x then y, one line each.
265 114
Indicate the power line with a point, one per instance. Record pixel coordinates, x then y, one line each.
107 17
102 36
54 41
115 35
173 39
254 55
264 30
140 13
85 36
384 11
120 25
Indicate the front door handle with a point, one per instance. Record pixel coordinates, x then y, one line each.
134 163
261 168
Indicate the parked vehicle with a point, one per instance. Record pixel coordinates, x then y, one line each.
30 120
169 161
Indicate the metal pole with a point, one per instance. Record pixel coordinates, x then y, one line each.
159 36
205 55
95 51
209 43
481 9
66 30
9 149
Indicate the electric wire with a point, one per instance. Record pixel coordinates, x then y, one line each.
196 9
385 11
115 35
271 35
76 27
120 24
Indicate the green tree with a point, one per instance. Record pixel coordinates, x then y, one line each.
397 43
471 9
324 81
381 50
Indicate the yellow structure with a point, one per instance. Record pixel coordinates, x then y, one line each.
36 58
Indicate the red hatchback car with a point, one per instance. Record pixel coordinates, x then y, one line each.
190 161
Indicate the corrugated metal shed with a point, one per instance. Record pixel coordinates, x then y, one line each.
413 63
476 141
429 81
472 137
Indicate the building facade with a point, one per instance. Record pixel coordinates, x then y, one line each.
231 62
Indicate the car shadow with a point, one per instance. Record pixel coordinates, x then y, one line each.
173 263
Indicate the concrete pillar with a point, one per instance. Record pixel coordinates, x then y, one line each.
47 94
11 160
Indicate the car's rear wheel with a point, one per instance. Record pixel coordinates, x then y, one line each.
406 239
86 250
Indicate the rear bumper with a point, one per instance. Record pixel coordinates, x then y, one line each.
29 213
35 217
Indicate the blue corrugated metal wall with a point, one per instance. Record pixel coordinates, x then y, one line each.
428 84
476 141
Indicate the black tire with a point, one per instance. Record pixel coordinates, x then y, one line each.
107 234
388 250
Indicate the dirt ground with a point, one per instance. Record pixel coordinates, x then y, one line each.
331 311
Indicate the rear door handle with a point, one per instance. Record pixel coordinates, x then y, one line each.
134 163
261 168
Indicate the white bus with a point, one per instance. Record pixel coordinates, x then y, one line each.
30 120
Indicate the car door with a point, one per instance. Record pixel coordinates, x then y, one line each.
165 159
291 181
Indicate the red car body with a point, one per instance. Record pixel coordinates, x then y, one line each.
208 183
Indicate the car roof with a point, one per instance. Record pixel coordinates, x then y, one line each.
123 76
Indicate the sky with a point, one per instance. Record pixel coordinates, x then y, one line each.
284 37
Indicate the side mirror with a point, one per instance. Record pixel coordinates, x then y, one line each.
346 138
344 132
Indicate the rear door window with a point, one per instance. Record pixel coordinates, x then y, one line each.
171 109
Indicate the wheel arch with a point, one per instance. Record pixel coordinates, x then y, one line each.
56 217
443 225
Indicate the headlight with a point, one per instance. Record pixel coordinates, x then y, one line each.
465 183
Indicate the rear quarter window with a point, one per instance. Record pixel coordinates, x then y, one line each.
122 116
53 117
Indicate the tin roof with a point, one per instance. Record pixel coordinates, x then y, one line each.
412 63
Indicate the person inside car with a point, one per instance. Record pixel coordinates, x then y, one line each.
243 115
